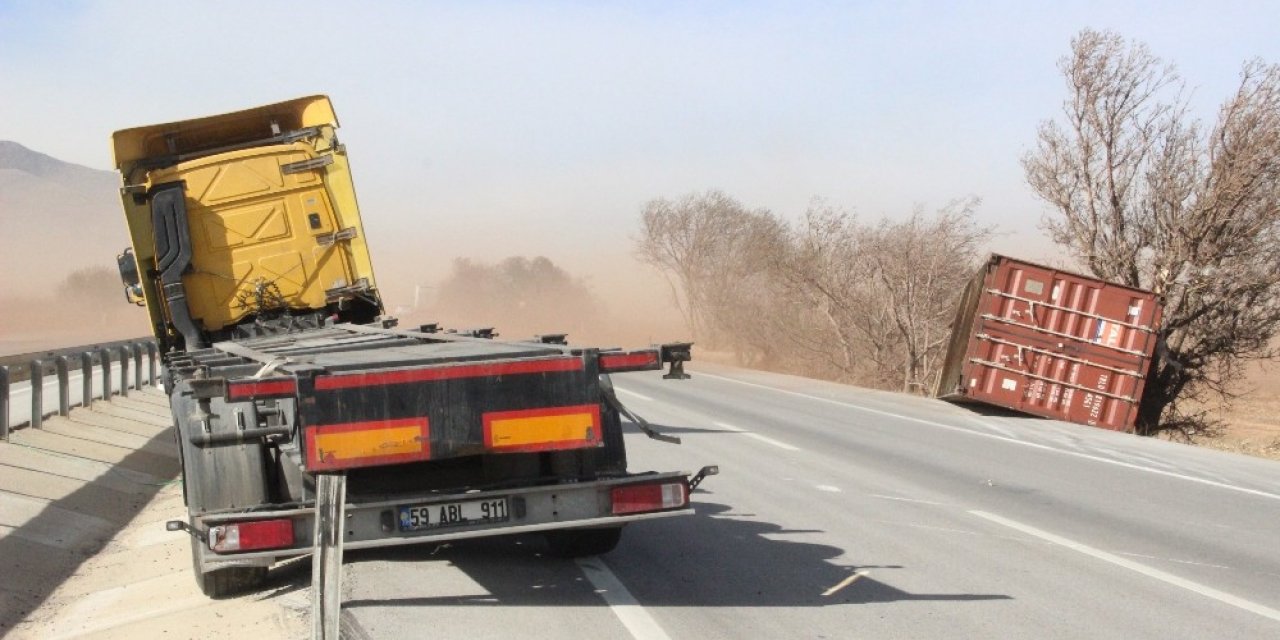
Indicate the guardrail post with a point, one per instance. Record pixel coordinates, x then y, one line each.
326 559
4 403
124 372
106 373
64 385
151 359
37 394
137 364
86 379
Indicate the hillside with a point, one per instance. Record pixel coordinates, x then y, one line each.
56 217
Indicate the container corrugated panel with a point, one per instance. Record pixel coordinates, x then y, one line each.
1051 343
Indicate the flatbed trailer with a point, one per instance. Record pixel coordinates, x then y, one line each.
442 436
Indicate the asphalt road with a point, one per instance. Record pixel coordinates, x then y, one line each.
843 513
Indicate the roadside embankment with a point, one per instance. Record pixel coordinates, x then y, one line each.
83 547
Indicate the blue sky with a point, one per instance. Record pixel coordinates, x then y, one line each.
482 128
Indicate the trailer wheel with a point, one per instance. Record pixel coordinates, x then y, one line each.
231 581
218 477
577 543
228 581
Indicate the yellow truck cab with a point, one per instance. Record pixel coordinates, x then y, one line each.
243 224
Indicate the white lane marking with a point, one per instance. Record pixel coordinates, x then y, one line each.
624 605
876 495
999 429
828 488
1034 445
633 394
844 583
1198 564
1150 572
765 439
929 527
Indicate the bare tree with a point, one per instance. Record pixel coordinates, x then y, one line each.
523 295
751 311
884 294
91 287
1146 196
846 337
712 251
920 266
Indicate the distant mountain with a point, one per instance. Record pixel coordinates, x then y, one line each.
19 158
55 217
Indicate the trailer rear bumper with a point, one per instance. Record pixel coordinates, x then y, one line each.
385 523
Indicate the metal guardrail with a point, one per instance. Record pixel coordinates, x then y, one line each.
34 367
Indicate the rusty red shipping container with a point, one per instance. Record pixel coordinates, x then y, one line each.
1051 343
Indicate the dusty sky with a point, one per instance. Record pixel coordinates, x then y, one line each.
494 128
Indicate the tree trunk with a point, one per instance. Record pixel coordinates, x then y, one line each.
1155 397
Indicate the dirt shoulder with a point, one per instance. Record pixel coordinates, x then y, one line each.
83 547
1252 422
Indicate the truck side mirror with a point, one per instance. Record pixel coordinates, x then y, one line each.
128 266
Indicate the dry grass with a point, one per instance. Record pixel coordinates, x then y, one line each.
1252 422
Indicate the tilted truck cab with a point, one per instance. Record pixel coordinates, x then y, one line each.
249 253
245 224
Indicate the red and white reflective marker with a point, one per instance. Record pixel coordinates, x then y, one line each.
638 498
251 536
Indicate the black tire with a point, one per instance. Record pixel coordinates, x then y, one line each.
231 581
578 543
218 477
221 583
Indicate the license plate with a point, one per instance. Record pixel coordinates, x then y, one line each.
453 514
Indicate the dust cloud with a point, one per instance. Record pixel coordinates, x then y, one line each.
61 220
625 305
37 323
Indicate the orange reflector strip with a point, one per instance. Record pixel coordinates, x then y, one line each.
543 429
363 444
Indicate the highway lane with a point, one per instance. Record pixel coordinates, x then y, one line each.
842 512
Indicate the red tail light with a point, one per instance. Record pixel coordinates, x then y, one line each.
251 536
618 362
638 498
262 389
